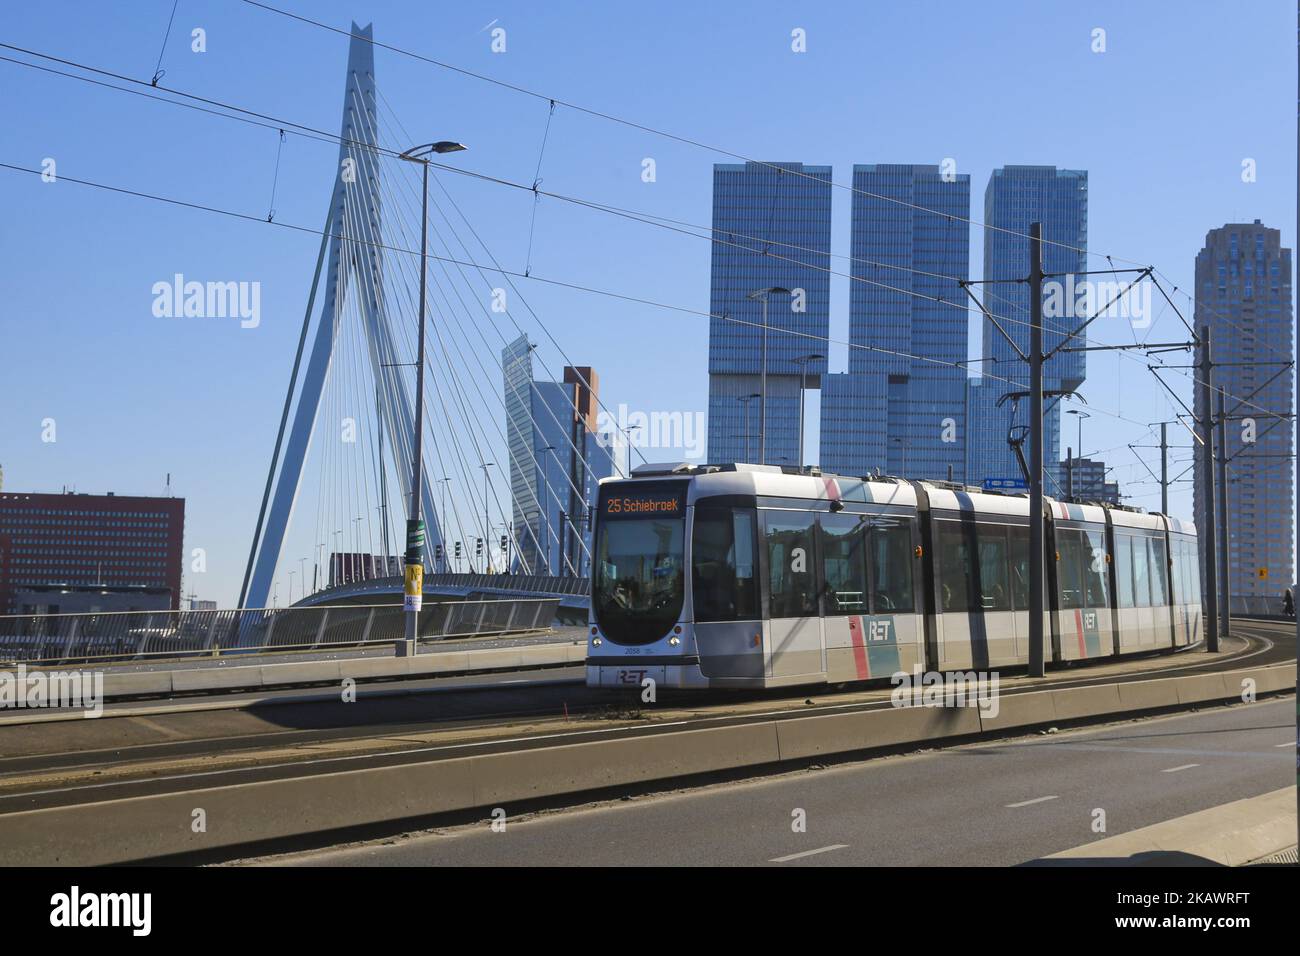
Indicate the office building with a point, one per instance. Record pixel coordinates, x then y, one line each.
771 229
1243 294
90 542
901 408
557 456
1016 197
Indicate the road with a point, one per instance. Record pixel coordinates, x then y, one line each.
982 804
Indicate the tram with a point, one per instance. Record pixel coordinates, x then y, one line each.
755 576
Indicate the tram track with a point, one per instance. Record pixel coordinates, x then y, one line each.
51 779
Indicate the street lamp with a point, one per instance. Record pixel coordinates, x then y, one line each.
414 583
762 295
745 400
802 361
487 518
1078 451
903 445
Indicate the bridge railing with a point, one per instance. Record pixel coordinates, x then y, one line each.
119 636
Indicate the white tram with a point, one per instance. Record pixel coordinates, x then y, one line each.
759 576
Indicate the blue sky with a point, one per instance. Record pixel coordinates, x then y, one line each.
1162 121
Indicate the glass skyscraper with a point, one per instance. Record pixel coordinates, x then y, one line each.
1243 293
557 456
903 413
772 227
1016 197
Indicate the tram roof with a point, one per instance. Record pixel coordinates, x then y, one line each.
811 484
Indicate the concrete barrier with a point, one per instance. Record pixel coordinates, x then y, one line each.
1020 710
1147 695
1203 688
889 727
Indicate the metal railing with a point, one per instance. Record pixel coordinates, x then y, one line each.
483 583
1262 605
158 635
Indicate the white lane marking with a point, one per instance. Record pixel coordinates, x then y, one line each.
1291 744
1186 766
797 856
1025 803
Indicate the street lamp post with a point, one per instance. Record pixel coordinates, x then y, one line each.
903 445
802 361
414 581
487 518
1078 452
745 400
761 295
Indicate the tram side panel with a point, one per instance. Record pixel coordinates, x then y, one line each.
980 586
1082 606
1144 615
873 621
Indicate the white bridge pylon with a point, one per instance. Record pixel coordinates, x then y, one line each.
357 260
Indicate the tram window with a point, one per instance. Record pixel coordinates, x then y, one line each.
1176 570
1019 566
891 568
791 564
1192 570
1124 568
995 592
844 567
1141 573
724 581
1159 568
1069 545
1095 585
954 567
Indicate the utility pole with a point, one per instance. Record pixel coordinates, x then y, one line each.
1225 575
1037 542
1069 473
1164 469
1204 427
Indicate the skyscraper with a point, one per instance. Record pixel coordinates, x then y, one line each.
1017 196
1243 293
771 228
903 413
557 456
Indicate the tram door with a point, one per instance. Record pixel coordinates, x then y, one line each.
794 644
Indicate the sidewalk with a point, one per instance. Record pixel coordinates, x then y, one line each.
1254 830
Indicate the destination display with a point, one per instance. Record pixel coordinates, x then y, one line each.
652 501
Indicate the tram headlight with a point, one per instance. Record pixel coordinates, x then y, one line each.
674 640
596 642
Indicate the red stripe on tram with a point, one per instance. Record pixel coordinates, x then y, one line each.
859 648
1078 626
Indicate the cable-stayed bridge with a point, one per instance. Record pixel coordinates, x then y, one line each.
509 464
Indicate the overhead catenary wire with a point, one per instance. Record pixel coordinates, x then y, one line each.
263 119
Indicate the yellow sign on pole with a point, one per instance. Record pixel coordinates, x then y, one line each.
1263 573
414 587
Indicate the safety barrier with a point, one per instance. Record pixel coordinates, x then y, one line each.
106 637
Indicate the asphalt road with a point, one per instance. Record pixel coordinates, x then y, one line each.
982 804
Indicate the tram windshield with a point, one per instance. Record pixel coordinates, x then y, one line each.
639 586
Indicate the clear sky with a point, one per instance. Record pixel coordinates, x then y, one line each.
1162 121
